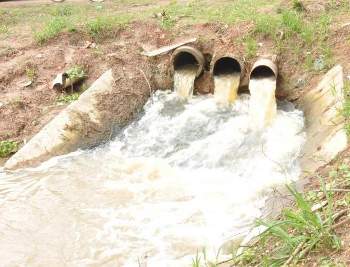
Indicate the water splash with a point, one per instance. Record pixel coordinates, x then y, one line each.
183 176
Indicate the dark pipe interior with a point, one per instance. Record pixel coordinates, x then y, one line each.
262 72
184 59
226 65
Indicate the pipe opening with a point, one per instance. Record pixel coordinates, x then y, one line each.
262 71
184 60
226 65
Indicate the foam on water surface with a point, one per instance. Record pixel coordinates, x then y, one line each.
183 176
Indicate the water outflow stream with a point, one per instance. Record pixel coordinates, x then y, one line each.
184 80
263 105
226 87
183 176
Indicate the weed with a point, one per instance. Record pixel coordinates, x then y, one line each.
266 25
31 73
196 262
251 46
292 21
76 72
99 25
346 106
300 230
247 257
102 25
52 29
7 148
66 99
3 29
298 5
63 11
167 21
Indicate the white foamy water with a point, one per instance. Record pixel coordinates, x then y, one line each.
226 87
263 105
183 176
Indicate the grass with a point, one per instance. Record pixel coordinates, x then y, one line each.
298 232
52 29
251 47
31 73
346 106
3 29
68 98
76 72
103 25
7 148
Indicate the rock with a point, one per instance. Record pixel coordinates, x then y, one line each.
319 64
300 82
79 125
326 136
23 84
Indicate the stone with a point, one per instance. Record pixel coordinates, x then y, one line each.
324 124
80 125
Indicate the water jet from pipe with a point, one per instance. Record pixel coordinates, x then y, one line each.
187 63
262 87
227 72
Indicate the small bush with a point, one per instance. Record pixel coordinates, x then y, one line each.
7 148
76 72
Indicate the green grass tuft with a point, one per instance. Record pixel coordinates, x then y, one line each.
3 29
7 148
299 231
76 72
251 46
65 11
52 29
31 73
346 106
104 25
66 99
